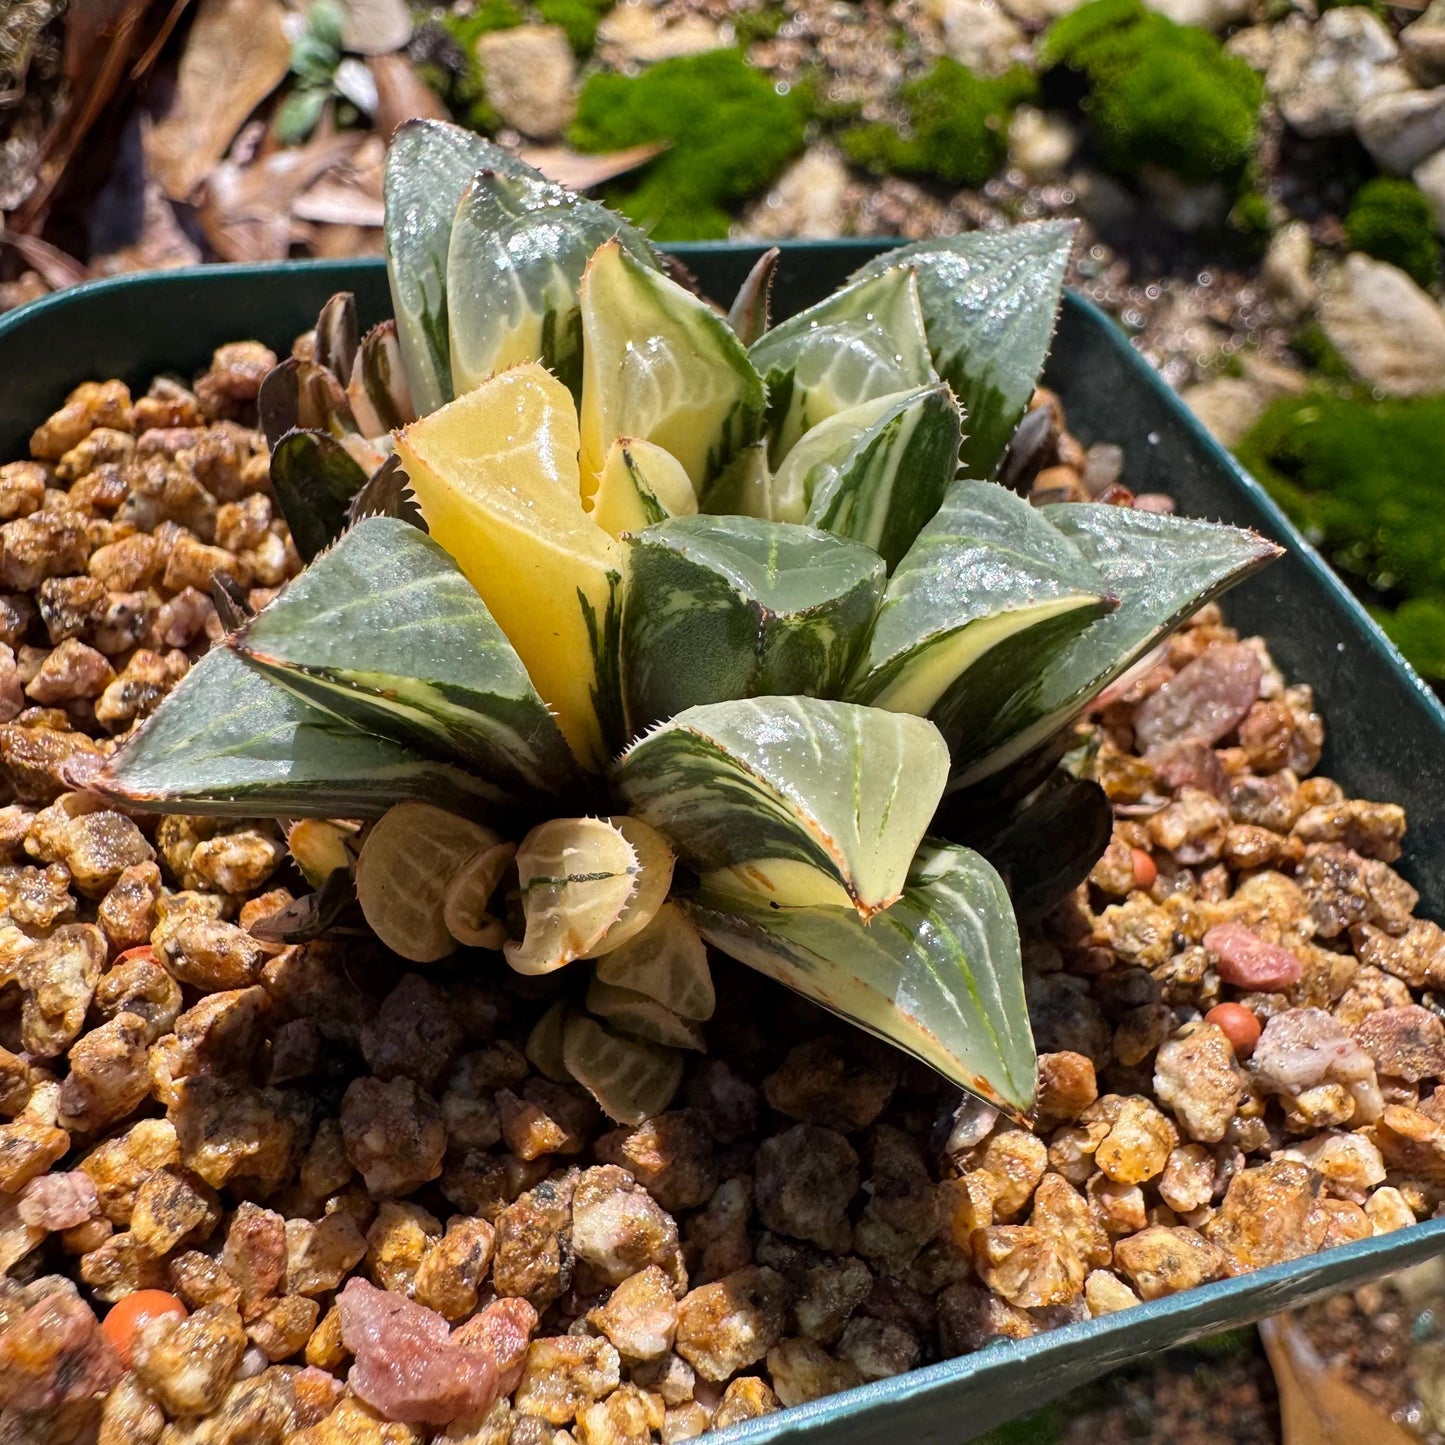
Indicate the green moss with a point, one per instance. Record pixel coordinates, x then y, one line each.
750 26
957 125
1417 628
1158 93
579 18
1364 479
1391 220
466 29
729 132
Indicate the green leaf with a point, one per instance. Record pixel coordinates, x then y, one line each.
314 478
1161 568
385 631
987 570
732 607
519 247
429 164
229 742
662 366
792 798
990 300
938 974
864 341
876 472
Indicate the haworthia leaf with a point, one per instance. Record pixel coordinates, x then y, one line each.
337 335
938 974
876 472
988 568
495 472
576 876
380 398
1161 568
640 484
384 630
428 165
748 315
661 365
1048 844
744 488
519 247
230 742
732 607
990 300
794 799
314 478
863 342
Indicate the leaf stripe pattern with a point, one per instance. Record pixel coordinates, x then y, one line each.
861 343
939 974
518 249
384 630
990 300
733 607
983 597
428 166
233 744
795 798
1161 568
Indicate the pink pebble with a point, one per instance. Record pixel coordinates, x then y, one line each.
59 1201
408 1365
1247 961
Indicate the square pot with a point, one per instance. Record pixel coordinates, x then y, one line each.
1385 730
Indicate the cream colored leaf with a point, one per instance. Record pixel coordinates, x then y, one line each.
655 862
667 961
469 892
643 1017
577 876
630 1079
409 857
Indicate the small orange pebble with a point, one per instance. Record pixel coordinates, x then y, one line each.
1144 870
128 1314
1240 1026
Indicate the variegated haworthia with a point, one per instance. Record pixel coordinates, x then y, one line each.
706 627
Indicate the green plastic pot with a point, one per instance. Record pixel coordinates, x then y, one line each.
1386 729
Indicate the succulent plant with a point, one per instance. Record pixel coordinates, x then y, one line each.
635 628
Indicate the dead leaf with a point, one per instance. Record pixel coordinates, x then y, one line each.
349 193
375 27
1316 1406
401 94
580 172
235 56
100 37
246 210
50 263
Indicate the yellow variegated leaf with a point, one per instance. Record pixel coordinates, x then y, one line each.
496 474
640 484
660 365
